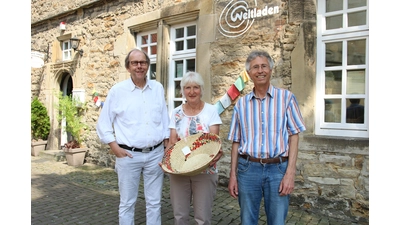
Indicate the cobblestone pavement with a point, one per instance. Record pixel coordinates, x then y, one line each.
88 194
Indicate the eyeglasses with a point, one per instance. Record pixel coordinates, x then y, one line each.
135 63
264 67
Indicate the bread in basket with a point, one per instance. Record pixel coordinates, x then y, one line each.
202 148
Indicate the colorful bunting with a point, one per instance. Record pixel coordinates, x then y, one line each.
233 92
96 99
99 103
219 106
245 76
225 101
239 83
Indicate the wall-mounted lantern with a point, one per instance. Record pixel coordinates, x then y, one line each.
75 43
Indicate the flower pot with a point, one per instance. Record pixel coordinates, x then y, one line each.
37 147
75 156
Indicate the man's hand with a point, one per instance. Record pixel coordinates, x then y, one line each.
287 185
118 151
232 186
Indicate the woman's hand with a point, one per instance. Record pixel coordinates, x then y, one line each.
160 164
217 158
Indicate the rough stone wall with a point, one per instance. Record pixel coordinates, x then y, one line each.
333 177
99 25
332 173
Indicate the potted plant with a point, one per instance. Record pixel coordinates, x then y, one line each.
40 127
72 110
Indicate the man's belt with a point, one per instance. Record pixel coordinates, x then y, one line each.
144 150
265 161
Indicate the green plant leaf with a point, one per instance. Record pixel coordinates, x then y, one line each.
72 111
40 120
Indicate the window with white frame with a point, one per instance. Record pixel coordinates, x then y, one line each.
148 43
342 68
182 58
66 50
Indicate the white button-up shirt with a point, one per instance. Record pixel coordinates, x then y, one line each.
133 116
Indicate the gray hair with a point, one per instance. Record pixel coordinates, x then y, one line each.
258 53
138 50
192 77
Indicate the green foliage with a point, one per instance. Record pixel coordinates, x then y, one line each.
40 120
72 111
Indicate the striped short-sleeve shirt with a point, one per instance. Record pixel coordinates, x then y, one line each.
263 126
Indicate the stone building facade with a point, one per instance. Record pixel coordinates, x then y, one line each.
332 168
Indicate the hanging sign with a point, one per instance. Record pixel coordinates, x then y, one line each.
37 59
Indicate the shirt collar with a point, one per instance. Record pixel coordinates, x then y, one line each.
133 86
270 92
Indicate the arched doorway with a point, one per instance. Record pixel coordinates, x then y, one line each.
66 87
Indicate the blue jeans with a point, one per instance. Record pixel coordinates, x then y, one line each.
256 181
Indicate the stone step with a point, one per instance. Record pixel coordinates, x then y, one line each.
56 155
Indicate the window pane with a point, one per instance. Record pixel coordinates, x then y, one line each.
356 3
66 55
177 103
334 5
182 57
357 18
191 65
191 44
153 50
191 30
355 82
333 54
333 82
355 110
145 48
144 39
154 38
343 32
178 69
356 52
334 22
66 45
152 70
179 46
332 110
178 93
179 33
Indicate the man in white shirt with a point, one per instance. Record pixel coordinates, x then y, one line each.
134 123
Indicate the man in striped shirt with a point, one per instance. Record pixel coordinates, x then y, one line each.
264 132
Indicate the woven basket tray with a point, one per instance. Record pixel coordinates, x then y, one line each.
204 148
